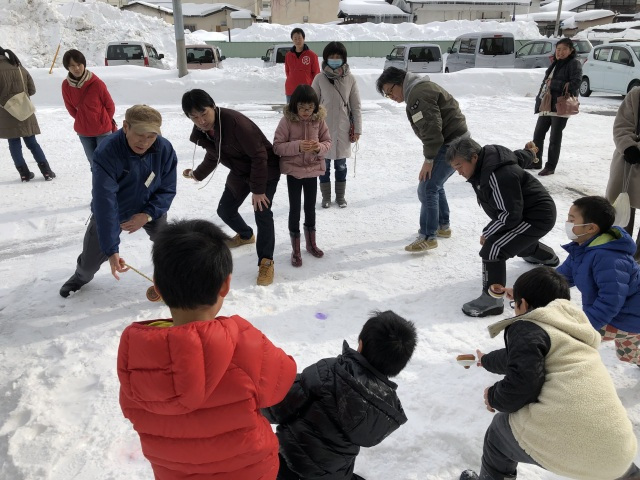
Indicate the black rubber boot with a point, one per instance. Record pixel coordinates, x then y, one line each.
485 305
25 174
296 257
543 255
45 169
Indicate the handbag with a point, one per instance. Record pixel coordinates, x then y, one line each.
567 104
20 106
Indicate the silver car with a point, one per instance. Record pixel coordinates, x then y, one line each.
539 53
416 58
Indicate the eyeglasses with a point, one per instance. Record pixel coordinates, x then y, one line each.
512 304
390 92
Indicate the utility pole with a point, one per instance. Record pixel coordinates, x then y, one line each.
181 53
555 33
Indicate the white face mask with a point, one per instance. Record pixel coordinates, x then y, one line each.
568 228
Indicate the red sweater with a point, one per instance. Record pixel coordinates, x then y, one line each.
300 70
90 105
194 394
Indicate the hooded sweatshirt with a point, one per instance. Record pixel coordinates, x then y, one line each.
608 278
576 427
194 392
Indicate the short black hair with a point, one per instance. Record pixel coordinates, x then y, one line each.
334 48
191 261
597 210
196 100
540 286
75 55
303 94
297 30
392 75
388 341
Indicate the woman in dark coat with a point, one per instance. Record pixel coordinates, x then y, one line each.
15 79
565 69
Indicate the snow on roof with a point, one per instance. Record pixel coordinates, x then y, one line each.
566 5
369 7
150 5
467 2
242 13
188 9
593 15
544 16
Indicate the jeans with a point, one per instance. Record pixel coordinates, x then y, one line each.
434 209
90 144
228 212
15 148
557 125
296 186
340 167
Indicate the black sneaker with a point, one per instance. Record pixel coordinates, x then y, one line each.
469 475
71 285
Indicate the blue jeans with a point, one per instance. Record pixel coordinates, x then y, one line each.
340 168
15 148
90 144
434 210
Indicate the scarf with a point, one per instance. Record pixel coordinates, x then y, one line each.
332 74
78 83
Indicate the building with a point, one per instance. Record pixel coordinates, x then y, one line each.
286 12
426 11
373 11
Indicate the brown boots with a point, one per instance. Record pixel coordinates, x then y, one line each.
296 258
312 248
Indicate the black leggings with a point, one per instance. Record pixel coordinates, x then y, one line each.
296 186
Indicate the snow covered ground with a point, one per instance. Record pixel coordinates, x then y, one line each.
59 414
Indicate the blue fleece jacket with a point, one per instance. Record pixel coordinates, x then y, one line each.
125 183
608 278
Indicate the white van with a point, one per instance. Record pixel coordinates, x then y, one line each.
132 53
416 58
276 54
481 50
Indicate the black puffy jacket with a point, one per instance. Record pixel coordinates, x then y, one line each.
333 408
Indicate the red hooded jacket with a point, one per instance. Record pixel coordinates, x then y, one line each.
90 105
194 393
300 70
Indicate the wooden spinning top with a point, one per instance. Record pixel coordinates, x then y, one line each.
152 295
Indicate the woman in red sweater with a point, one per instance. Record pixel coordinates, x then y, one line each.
88 102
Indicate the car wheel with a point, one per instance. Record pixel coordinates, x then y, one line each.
585 91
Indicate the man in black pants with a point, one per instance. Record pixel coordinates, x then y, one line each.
235 141
520 208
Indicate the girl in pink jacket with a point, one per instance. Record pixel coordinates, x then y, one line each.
302 139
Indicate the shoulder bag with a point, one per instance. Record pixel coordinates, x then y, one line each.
20 106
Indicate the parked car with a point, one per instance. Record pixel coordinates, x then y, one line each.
611 68
539 53
481 50
202 57
132 53
276 54
416 58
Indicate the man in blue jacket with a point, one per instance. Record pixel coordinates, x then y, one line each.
601 265
134 182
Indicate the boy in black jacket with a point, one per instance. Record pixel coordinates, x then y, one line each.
341 404
520 208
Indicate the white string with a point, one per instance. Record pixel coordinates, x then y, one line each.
219 149
354 150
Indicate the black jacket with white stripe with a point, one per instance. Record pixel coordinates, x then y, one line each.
509 194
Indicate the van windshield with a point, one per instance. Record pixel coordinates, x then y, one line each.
496 46
199 55
124 52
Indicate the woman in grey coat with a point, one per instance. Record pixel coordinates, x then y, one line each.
15 79
338 92
625 165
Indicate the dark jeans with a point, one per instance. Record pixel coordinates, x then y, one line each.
340 167
228 212
557 125
296 186
89 144
15 148
92 256
285 473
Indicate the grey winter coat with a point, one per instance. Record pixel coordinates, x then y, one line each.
10 85
337 112
625 136
433 113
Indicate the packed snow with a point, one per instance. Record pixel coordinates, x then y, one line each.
59 415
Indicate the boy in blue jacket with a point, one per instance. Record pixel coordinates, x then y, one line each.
601 265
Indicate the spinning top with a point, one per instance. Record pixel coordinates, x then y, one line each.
496 290
152 295
466 360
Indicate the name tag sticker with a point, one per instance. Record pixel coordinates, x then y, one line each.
150 179
417 117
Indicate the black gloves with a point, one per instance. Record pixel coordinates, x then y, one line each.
632 155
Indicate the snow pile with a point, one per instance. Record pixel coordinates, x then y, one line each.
87 26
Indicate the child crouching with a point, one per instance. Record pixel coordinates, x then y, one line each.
341 404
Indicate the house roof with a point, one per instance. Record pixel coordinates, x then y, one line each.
188 9
368 8
567 5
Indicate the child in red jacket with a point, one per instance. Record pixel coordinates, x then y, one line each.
193 385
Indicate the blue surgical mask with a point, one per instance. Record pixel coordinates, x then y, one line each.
334 62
